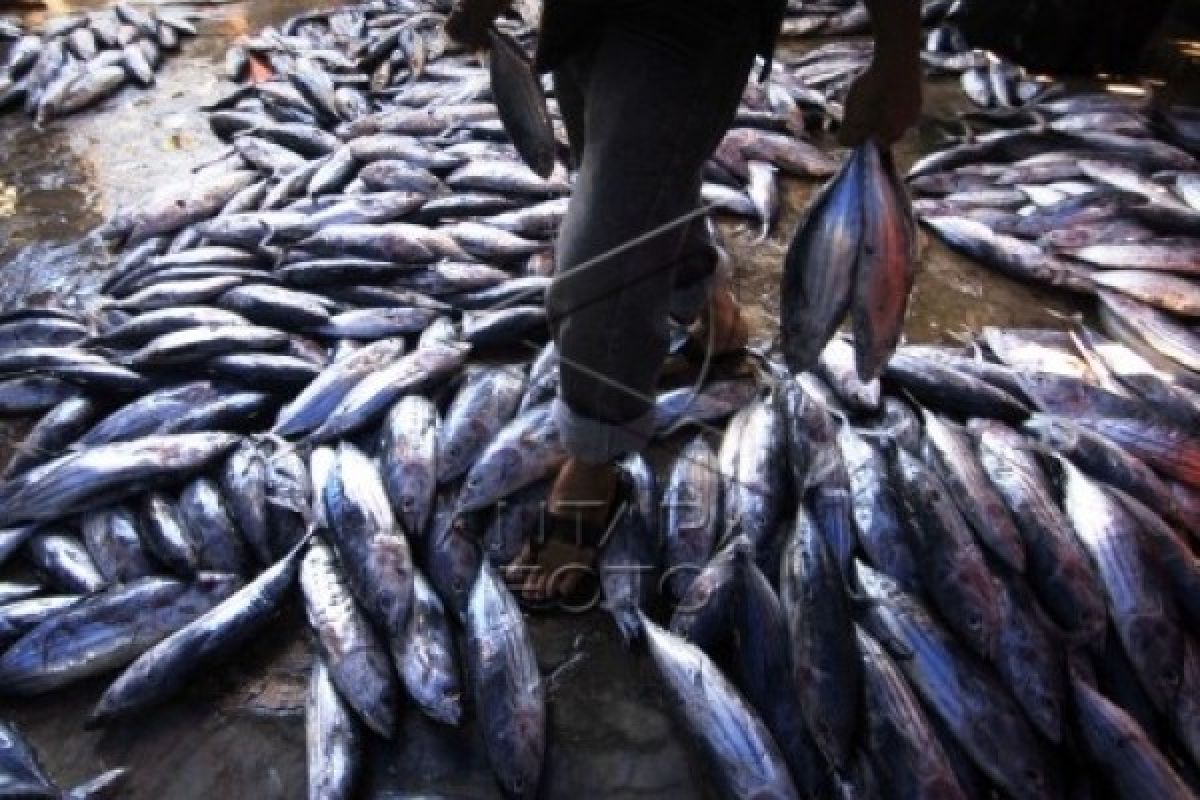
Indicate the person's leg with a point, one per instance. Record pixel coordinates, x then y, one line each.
703 298
663 86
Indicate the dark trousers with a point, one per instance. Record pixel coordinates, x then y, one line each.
646 92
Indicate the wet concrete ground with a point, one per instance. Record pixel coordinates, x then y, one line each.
240 734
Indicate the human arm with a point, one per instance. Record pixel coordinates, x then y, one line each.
885 101
470 20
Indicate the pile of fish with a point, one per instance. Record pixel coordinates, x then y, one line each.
1089 193
319 369
80 59
807 90
978 576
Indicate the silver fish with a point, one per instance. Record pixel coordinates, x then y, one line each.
168 666
106 631
334 741
83 480
729 733
426 661
357 661
509 696
526 450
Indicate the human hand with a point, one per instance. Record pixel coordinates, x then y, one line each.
883 103
470 20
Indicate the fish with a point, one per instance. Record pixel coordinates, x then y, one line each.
1030 662
628 558
63 561
754 483
1009 255
107 630
243 485
762 659
420 370
33 394
538 221
149 325
163 535
487 401
762 190
908 753
92 477
820 265
882 536
953 568
427 662
836 365
52 434
452 552
746 761
214 537
166 667
1165 446
1102 459
949 390
791 154
691 499
1174 257
885 269
372 550
1056 565
199 344
1161 331
1121 747
1143 614
1170 552
526 450
704 614
505 327
181 204
112 538
410 463
312 406
275 306
952 454
509 696
520 102
519 519
358 662
291 504
811 437
334 740
826 672
958 689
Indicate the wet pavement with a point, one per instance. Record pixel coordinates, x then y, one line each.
240 734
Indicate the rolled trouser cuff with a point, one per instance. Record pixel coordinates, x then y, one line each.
595 441
688 301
